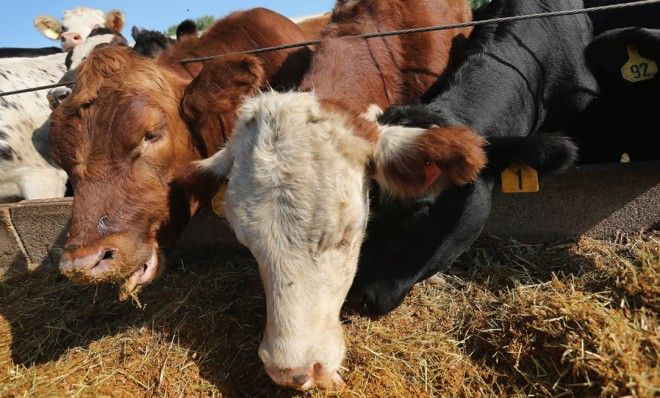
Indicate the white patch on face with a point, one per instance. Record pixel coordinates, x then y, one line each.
297 198
81 51
82 20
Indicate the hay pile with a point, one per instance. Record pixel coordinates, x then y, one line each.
508 320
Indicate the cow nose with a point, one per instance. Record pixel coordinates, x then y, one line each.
305 378
57 95
88 264
70 40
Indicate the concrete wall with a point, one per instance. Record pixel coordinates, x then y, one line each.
597 201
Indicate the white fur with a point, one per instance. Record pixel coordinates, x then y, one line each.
298 20
297 198
393 143
23 118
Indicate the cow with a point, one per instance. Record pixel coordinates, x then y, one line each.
647 16
131 124
18 52
512 81
297 167
623 119
24 157
313 25
77 24
149 42
186 28
24 151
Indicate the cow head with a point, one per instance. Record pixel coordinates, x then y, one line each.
122 138
297 197
98 38
77 25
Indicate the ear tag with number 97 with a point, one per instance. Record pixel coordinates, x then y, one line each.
520 179
638 68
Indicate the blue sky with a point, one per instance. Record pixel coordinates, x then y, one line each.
17 29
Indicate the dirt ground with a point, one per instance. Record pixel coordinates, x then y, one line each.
566 319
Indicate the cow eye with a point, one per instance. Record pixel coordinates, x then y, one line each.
151 136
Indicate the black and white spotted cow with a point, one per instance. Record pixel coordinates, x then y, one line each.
24 151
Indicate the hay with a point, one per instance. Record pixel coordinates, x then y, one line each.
507 320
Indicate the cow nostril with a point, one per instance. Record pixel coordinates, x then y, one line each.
62 96
108 254
77 37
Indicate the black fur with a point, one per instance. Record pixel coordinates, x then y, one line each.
6 153
625 117
149 42
15 52
647 16
186 28
514 80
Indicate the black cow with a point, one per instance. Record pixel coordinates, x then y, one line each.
149 42
186 28
514 80
647 16
624 118
14 52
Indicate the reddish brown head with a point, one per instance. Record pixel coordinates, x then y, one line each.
124 135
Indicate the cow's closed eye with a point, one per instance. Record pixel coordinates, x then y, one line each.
151 136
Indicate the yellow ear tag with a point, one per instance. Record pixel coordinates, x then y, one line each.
520 179
638 68
218 201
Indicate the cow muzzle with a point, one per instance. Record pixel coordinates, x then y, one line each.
107 263
57 95
313 376
70 40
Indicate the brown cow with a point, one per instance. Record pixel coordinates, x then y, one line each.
313 26
130 125
298 164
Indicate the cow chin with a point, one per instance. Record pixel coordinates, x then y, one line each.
143 275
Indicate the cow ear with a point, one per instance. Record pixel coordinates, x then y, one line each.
413 162
49 26
210 102
135 32
114 20
202 178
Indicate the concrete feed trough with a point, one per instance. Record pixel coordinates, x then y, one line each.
594 200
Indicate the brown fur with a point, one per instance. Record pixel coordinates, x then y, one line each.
350 74
448 151
114 20
313 27
132 124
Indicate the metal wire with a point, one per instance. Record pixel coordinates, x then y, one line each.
514 18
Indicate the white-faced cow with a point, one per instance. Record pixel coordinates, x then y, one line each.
298 165
77 24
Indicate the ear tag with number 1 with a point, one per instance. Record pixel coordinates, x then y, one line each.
520 179
638 68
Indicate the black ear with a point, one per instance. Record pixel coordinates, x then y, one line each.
135 32
186 28
547 153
